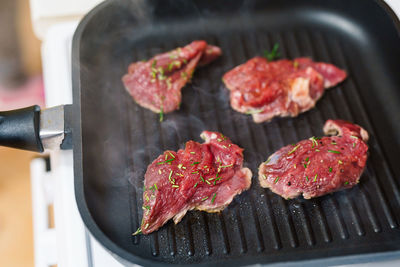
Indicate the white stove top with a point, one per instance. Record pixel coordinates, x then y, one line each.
70 244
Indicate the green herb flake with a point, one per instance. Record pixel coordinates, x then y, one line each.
273 54
314 141
204 198
340 162
294 149
201 177
195 185
161 114
315 177
192 152
334 151
213 198
195 172
155 186
295 64
195 163
346 183
305 165
254 111
307 159
207 182
170 175
172 155
264 176
354 144
226 166
138 231
154 63
330 169
276 179
307 178
268 160
352 136
175 186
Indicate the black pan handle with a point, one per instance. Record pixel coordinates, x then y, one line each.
21 129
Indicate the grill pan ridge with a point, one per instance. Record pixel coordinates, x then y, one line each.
258 226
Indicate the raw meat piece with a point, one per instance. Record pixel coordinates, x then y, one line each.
202 176
279 88
318 166
156 84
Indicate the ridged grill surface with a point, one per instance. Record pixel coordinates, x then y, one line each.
258 224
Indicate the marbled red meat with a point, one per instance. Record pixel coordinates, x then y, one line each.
156 84
318 166
279 88
202 176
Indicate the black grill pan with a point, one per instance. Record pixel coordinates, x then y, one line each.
115 139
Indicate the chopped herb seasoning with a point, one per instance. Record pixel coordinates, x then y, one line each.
201 177
317 150
195 185
163 162
334 151
295 64
294 149
175 186
295 166
154 63
330 169
192 152
354 144
146 226
254 111
155 186
161 114
170 175
340 162
352 136
207 182
268 160
346 183
307 178
213 198
264 176
172 155
180 165
204 198
138 231
305 165
226 166
334 142
195 172
273 54
307 159
276 179
185 61
194 163
315 177
314 141
224 146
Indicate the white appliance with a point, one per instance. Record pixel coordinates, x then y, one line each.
69 244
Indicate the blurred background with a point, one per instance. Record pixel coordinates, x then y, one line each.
21 84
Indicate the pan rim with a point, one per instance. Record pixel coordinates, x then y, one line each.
89 222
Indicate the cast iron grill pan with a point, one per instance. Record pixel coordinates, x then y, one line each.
119 138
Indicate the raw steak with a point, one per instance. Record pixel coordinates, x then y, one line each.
318 166
201 176
156 84
279 88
